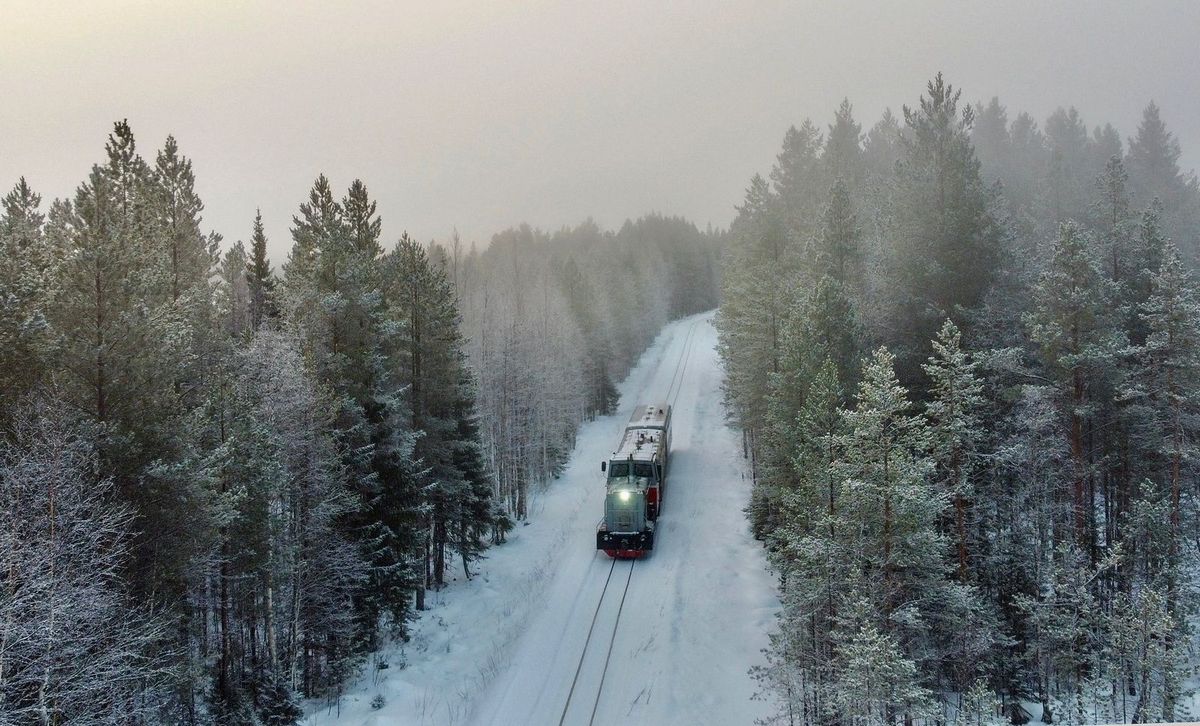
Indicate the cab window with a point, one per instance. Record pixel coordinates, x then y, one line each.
643 469
618 469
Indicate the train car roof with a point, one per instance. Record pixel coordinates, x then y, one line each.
650 415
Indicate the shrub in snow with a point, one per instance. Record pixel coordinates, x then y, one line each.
277 705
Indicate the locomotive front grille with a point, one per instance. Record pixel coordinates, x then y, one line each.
623 520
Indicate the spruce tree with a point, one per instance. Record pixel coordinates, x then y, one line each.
457 509
332 290
843 156
259 276
1153 161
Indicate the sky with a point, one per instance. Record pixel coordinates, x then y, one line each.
477 116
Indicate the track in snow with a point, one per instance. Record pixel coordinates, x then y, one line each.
577 713
672 642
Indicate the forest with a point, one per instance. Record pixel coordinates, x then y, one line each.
224 485
963 347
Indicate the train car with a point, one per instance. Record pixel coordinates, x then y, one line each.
636 485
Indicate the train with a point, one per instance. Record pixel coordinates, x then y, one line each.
636 483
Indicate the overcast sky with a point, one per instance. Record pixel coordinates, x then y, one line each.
481 115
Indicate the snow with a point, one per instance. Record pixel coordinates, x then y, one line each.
503 649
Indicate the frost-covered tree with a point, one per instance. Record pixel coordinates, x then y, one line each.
1059 426
1074 324
73 647
1170 386
797 179
955 432
26 260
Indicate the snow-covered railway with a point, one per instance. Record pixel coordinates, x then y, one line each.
506 647
697 609
581 703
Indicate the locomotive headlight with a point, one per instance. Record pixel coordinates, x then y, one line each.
623 495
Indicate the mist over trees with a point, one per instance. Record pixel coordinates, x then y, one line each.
961 348
222 485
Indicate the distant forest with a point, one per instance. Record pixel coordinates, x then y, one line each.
964 351
221 487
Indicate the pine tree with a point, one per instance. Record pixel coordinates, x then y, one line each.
806 500
898 559
992 140
758 292
441 402
888 473
877 685
881 147
1069 170
189 256
1073 323
796 178
948 249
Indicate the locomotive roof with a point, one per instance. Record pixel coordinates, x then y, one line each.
634 446
650 415
639 450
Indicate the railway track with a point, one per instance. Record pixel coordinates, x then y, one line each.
610 606
681 365
608 609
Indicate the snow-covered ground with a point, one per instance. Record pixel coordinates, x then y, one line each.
503 649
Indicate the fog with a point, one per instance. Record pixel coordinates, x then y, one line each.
479 116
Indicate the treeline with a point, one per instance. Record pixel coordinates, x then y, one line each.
221 488
555 320
963 351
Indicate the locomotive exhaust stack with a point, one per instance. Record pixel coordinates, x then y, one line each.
637 475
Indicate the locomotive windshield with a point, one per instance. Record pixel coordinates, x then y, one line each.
620 469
